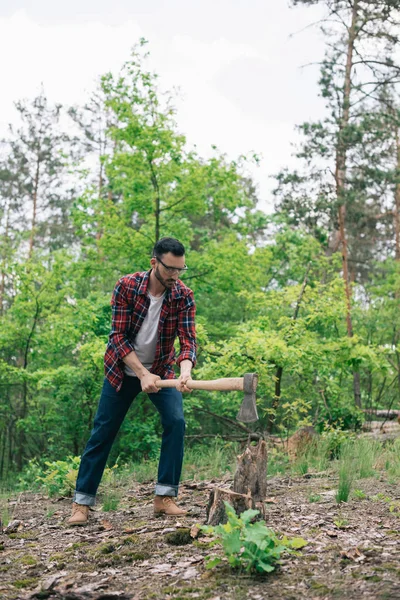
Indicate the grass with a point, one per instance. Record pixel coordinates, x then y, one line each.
110 502
345 456
214 460
359 495
346 471
314 498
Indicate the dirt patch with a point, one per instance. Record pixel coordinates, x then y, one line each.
352 550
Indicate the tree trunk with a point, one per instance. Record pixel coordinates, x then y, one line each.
279 370
251 474
396 211
249 486
34 208
340 179
157 199
4 261
216 508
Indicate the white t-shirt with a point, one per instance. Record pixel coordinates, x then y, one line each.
146 339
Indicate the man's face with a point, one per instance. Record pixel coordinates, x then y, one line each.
165 268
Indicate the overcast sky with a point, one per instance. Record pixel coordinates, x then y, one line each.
237 65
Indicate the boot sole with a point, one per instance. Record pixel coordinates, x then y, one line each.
165 514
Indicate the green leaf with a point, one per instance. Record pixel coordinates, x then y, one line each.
248 515
232 542
212 562
297 543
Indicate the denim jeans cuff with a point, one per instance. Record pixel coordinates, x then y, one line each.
166 490
87 499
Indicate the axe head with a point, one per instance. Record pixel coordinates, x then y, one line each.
248 409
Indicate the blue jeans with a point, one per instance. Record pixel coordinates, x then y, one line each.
111 412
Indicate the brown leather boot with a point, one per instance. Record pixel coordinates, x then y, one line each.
165 505
80 514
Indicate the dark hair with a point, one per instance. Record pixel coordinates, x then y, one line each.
168 244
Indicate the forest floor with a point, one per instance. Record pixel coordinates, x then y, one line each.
352 551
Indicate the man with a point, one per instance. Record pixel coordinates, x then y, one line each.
148 311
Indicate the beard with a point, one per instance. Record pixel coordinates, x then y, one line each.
167 283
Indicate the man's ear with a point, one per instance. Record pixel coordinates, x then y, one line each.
153 262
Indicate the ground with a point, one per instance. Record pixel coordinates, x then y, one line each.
352 548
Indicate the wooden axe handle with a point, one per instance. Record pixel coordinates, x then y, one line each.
226 384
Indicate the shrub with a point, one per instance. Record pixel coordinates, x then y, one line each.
247 545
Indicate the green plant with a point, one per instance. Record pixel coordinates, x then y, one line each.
334 438
57 477
301 465
359 495
394 508
367 452
341 522
346 471
247 545
314 498
110 502
211 460
278 462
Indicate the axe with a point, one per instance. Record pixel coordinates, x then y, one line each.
248 384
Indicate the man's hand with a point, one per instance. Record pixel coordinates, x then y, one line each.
181 383
185 376
148 383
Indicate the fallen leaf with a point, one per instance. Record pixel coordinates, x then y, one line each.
194 531
13 527
331 533
271 501
353 554
190 573
106 524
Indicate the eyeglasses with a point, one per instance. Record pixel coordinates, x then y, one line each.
172 269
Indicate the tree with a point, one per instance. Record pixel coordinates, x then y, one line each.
38 150
358 64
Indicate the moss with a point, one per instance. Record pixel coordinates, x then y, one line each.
56 556
181 537
24 583
106 548
25 535
132 556
373 578
131 539
1 547
321 587
5 568
27 560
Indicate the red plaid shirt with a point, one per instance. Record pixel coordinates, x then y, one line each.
130 304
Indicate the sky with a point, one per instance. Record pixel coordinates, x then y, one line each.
239 66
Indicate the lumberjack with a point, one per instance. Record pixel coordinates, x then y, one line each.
149 310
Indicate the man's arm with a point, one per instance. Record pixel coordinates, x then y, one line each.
187 339
120 325
147 379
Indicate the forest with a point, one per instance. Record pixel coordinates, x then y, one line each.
307 295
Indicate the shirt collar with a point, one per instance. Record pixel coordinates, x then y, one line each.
172 294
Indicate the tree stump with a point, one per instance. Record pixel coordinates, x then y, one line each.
216 508
251 474
249 486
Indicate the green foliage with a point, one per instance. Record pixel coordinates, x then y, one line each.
249 545
359 495
314 498
110 502
346 472
139 178
58 477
